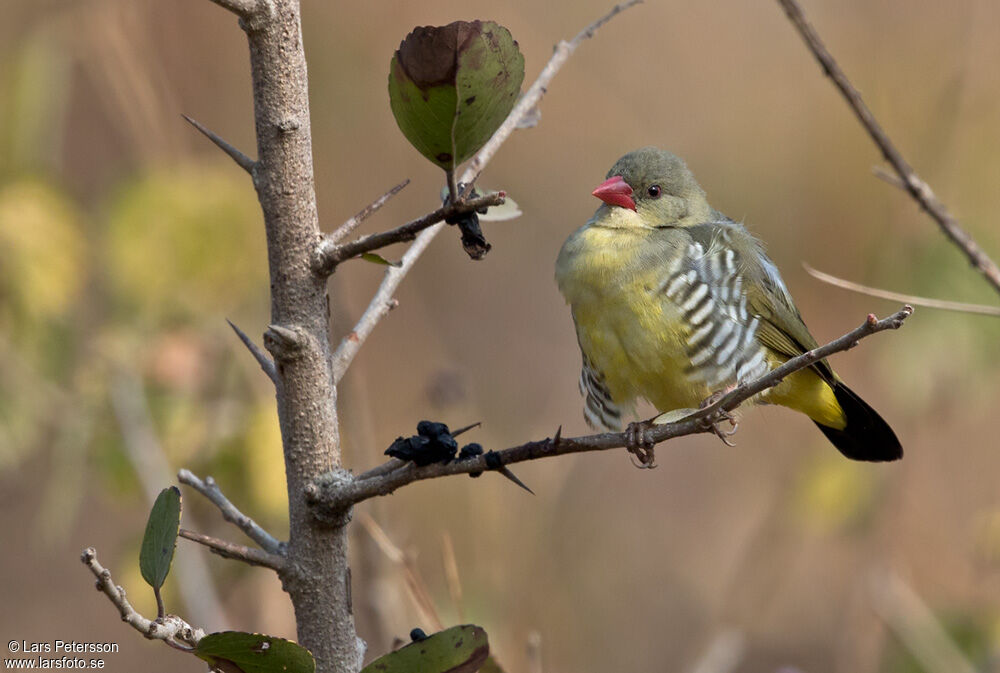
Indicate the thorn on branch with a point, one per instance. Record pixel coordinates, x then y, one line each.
242 160
265 362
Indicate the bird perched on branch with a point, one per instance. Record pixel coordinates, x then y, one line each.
674 302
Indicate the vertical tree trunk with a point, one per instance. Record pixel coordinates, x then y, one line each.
318 578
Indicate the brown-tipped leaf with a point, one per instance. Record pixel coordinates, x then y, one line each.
160 538
450 87
460 649
254 653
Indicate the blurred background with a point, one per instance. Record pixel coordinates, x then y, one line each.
126 240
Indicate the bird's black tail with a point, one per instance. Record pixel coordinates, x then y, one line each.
866 436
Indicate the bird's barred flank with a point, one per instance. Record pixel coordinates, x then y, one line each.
599 410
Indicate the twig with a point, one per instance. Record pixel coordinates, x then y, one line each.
917 188
910 299
210 490
266 363
388 466
328 255
899 606
379 306
237 552
344 230
336 495
244 162
171 629
529 100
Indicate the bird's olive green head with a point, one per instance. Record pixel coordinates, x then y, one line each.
657 186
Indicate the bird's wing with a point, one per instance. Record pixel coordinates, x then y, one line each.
782 328
705 284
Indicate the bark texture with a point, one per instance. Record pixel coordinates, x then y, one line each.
316 577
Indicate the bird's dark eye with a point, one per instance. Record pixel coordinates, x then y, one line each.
654 191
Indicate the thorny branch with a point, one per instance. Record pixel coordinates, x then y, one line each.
525 108
211 490
329 255
911 182
171 629
331 493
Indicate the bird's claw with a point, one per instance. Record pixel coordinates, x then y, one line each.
724 435
639 443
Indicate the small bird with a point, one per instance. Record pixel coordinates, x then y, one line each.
674 302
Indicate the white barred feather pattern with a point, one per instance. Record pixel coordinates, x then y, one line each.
706 287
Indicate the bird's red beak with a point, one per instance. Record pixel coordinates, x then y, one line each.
615 192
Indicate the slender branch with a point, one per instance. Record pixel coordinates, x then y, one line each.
917 188
329 255
379 307
210 490
171 629
346 228
237 552
266 363
244 162
913 300
333 495
525 107
388 466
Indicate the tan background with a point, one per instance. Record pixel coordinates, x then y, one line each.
125 240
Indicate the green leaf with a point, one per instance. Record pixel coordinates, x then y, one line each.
460 649
450 87
254 653
161 537
378 259
491 666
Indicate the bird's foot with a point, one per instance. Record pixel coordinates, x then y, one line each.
734 422
640 444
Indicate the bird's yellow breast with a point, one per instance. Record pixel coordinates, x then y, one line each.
611 278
